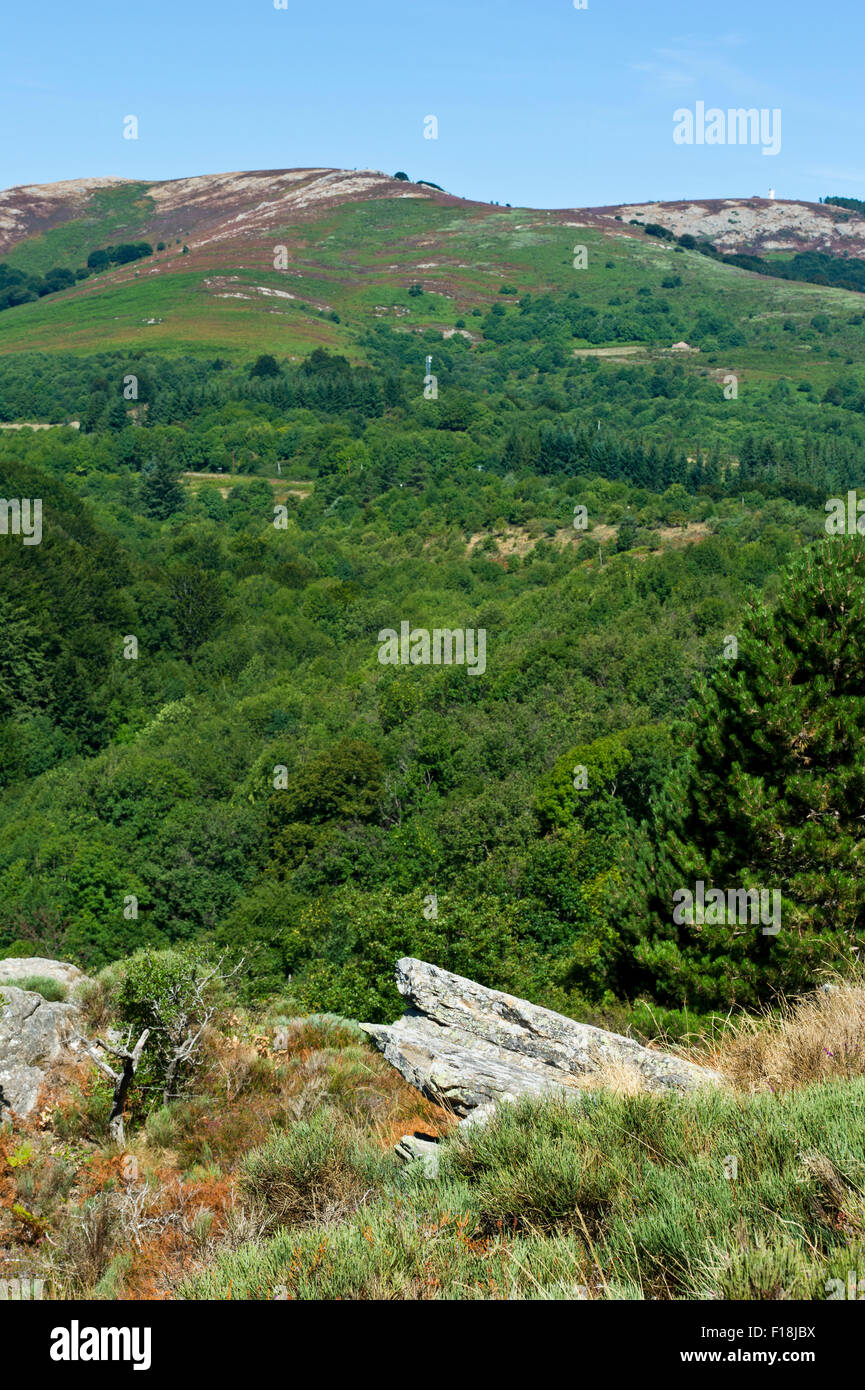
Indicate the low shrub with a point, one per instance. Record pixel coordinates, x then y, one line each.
703 1196
314 1171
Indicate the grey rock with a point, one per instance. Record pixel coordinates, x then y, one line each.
467 1047
25 967
417 1148
482 1113
33 1034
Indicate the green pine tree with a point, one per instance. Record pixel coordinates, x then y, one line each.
771 794
161 491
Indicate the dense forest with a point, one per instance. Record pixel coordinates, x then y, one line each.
199 742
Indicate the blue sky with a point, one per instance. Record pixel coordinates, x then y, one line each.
538 103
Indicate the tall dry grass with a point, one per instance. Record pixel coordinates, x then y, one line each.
818 1037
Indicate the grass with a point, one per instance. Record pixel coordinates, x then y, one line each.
114 313
815 1038
622 1196
111 215
275 1177
53 990
753 1190
314 1172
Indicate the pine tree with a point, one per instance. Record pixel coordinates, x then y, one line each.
161 491
770 795
24 668
712 471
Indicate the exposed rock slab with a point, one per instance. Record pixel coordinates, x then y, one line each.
33 1033
467 1047
26 967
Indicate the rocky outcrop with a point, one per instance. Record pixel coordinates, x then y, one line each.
15 969
34 1032
466 1047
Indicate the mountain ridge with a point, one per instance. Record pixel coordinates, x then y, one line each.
775 224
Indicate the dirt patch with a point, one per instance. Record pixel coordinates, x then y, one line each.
683 535
42 425
282 487
613 352
519 540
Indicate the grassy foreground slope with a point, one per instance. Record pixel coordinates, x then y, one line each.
271 1176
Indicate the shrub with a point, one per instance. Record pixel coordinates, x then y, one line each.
161 1128
85 1112
767 1271
96 1000
622 1196
174 994
86 1244
314 1171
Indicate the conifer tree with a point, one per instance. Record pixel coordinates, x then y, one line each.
161 490
770 794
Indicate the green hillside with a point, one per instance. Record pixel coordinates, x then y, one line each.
350 268
261 485
326 655
115 214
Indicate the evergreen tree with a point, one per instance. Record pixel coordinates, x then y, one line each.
161 491
771 795
712 472
24 678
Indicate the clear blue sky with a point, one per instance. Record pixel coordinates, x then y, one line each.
538 103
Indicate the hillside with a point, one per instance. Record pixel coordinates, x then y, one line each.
435 585
350 244
753 225
212 204
230 224
287 1160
